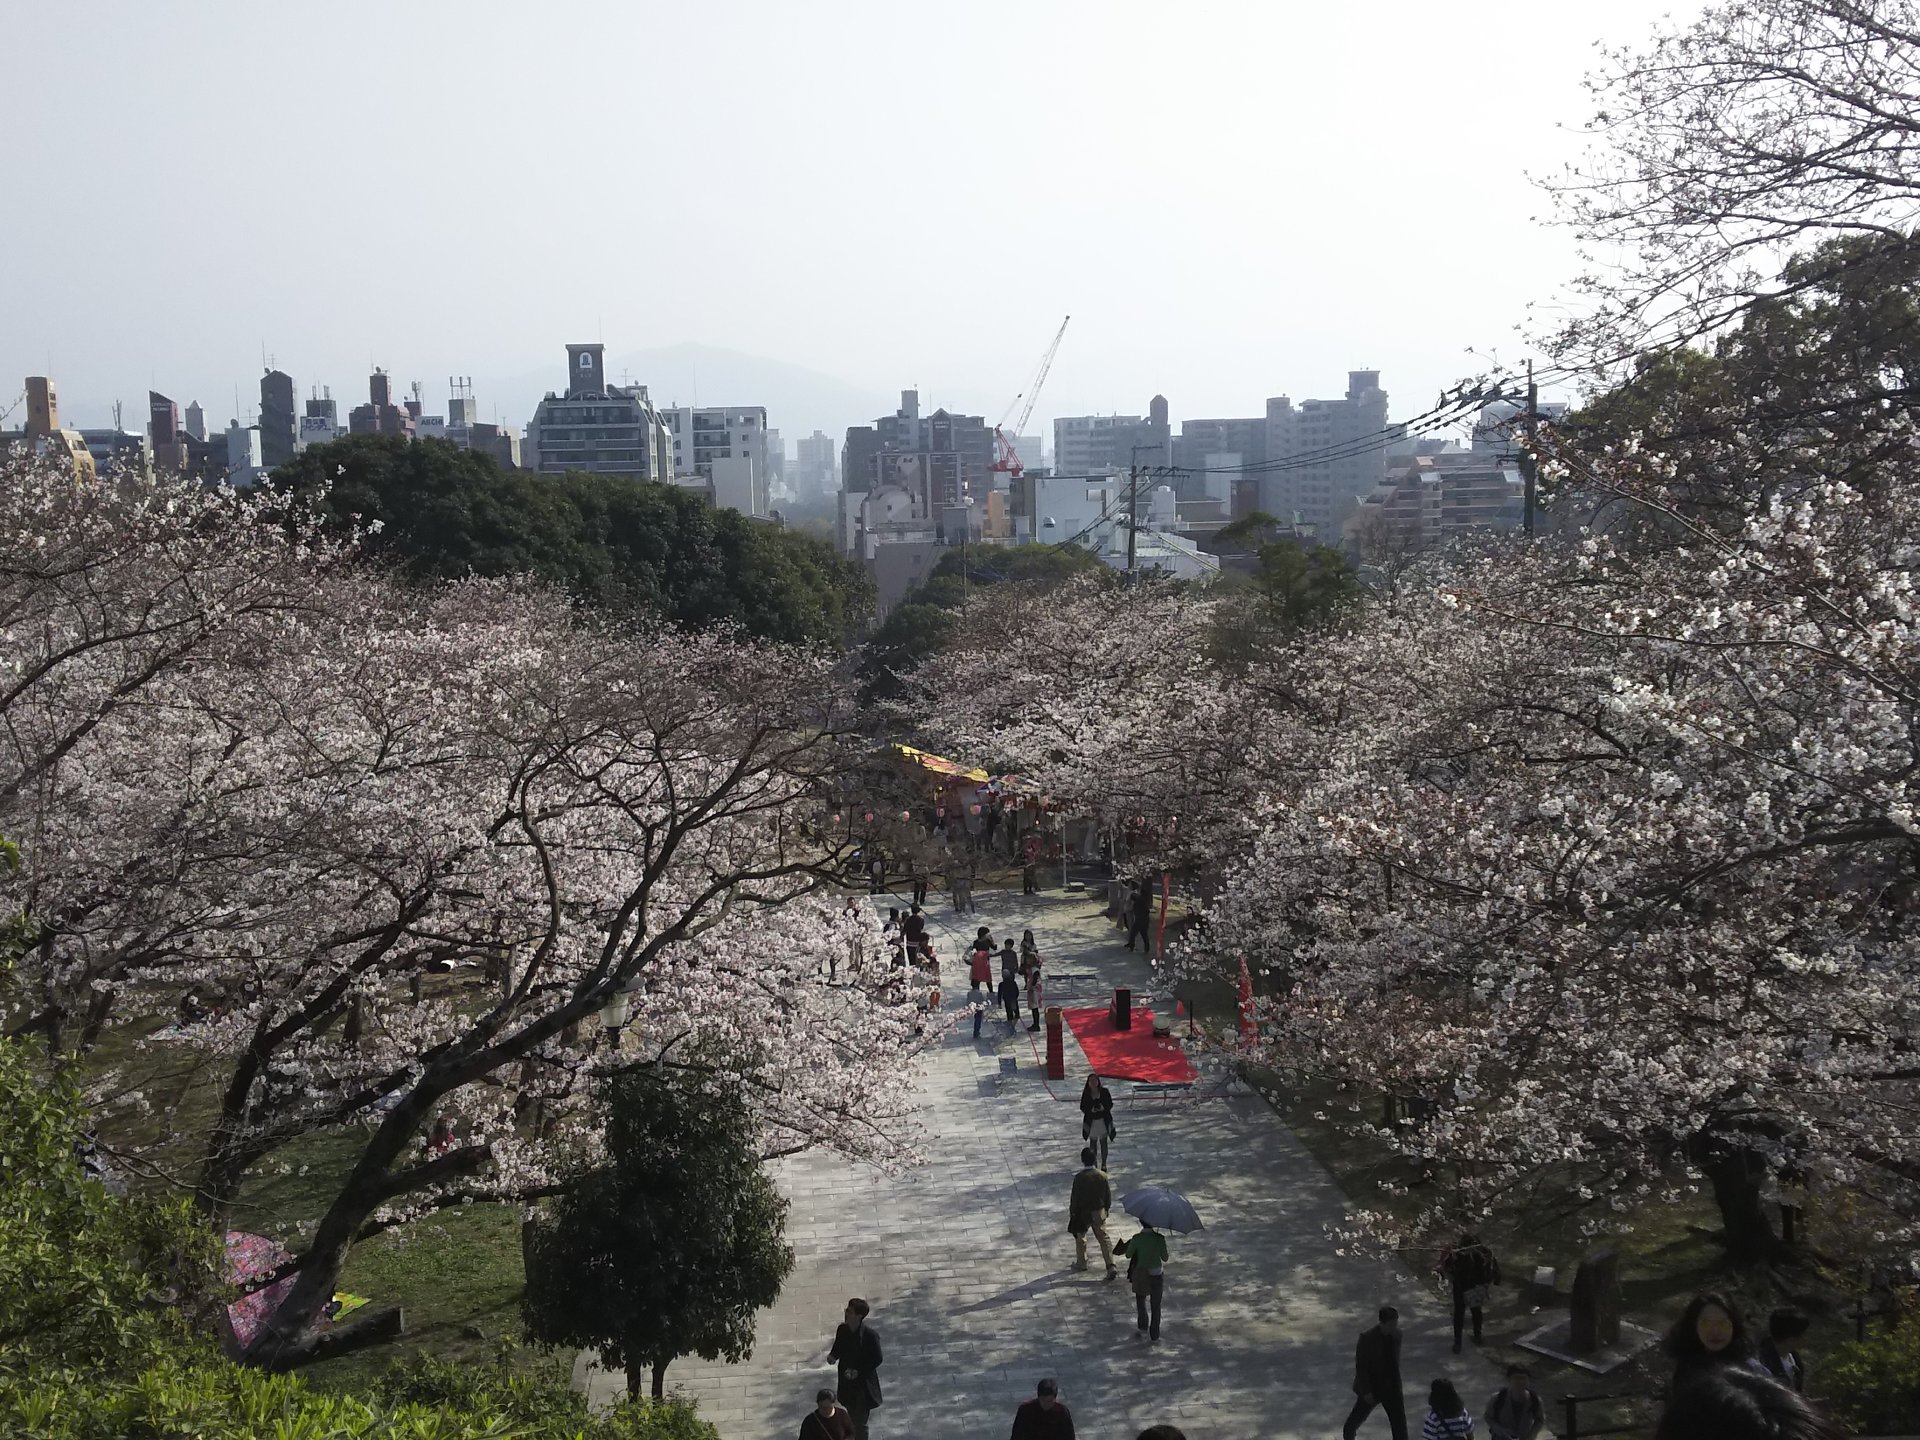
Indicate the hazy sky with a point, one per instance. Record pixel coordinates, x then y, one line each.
1233 200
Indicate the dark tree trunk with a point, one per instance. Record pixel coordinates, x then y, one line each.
660 1379
1736 1175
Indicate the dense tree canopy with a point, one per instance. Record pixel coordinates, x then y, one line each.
673 1244
445 513
267 801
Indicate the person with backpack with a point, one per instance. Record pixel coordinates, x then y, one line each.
1472 1272
1515 1411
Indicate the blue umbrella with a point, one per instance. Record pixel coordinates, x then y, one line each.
1161 1208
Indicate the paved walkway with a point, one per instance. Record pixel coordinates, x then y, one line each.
966 1259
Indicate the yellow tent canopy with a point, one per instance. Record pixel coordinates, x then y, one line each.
942 766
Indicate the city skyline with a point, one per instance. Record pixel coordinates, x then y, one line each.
1285 228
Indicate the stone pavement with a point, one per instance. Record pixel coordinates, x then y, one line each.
966 1259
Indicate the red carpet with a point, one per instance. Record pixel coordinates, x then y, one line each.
1127 1054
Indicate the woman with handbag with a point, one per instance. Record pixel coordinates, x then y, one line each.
1472 1272
1096 1116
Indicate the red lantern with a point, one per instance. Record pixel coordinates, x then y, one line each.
868 817
836 819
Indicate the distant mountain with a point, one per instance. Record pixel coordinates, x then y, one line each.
798 400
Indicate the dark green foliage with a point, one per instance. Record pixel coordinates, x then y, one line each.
86 1278
1293 586
444 513
671 1247
188 1399
1874 1384
1818 384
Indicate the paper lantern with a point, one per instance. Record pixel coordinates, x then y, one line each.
868 817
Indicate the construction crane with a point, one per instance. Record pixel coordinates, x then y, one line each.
1006 459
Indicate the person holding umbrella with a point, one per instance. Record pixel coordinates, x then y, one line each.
1156 1208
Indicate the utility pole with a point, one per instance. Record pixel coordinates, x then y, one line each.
1529 463
1133 511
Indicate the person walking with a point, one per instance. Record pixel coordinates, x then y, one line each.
1778 1353
917 877
1472 1272
980 961
1030 973
1447 1417
1142 914
1146 1253
877 873
1010 999
977 997
1515 1411
856 1350
1376 1376
1087 1208
1096 1116
1009 960
1043 1417
1030 866
826 1421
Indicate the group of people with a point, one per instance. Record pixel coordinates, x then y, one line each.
1020 972
1514 1412
844 1412
1726 1382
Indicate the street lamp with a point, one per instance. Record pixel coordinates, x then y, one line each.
618 1007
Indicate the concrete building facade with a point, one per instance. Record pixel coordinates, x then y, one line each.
279 429
728 447
594 426
1325 456
380 416
1426 500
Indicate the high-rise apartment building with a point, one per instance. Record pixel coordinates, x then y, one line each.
46 436
606 429
319 421
1427 499
196 422
380 416
1325 456
1110 444
728 447
279 422
814 468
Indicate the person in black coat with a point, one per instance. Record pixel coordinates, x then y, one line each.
856 1351
1141 910
1376 1376
1096 1116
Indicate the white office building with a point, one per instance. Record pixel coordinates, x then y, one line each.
712 443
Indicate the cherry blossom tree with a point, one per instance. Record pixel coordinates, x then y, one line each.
1730 143
265 799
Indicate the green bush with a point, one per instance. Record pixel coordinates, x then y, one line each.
182 1398
1874 1384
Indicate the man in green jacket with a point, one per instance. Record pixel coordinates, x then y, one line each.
1087 1210
1146 1255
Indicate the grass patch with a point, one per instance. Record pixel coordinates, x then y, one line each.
458 1277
